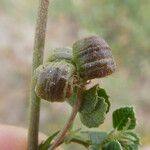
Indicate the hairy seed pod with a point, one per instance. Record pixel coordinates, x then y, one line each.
59 54
93 58
55 81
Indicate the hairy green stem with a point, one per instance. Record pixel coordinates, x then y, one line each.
37 60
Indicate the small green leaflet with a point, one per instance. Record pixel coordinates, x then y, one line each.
129 140
124 118
114 145
102 93
96 117
123 121
95 137
95 105
89 100
45 145
126 139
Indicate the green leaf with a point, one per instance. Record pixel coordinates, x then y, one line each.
102 93
89 100
95 137
114 145
95 105
124 118
129 140
97 116
45 145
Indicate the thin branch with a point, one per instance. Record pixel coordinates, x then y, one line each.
37 60
77 141
70 121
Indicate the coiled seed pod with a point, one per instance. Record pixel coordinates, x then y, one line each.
60 53
93 58
55 81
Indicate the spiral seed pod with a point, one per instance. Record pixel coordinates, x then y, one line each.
93 58
55 81
60 53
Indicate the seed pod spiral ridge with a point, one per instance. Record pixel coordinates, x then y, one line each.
54 81
93 58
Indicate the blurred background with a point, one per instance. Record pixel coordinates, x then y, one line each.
124 24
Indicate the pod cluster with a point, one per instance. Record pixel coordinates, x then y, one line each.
93 58
55 78
89 58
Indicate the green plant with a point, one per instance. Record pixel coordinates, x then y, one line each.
64 77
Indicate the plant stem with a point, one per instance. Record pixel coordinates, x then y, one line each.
70 121
37 60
